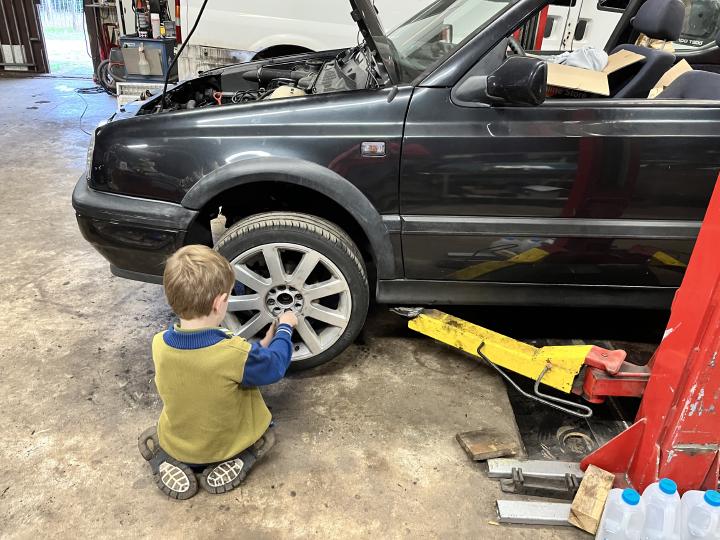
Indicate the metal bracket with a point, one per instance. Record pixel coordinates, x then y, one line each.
502 468
533 513
542 486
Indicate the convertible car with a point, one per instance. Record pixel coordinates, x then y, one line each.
431 165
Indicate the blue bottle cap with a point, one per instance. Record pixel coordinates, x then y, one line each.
631 497
712 497
667 486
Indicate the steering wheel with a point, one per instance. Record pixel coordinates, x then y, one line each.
516 47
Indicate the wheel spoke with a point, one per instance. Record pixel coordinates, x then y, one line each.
248 302
274 265
304 268
326 315
326 288
269 275
254 325
249 278
309 336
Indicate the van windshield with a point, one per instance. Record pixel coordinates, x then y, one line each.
437 30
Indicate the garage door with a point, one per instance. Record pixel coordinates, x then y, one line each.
22 46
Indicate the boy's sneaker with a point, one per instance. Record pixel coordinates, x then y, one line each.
174 478
148 443
264 443
227 475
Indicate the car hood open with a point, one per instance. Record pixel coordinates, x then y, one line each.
365 15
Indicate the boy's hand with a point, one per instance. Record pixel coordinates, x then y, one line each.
264 342
288 318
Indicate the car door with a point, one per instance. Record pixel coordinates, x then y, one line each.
589 192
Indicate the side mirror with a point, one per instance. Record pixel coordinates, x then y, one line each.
520 80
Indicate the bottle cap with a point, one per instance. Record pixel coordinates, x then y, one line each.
667 486
712 497
631 497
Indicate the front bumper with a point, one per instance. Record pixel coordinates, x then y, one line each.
135 235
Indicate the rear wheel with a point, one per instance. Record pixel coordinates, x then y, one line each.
290 261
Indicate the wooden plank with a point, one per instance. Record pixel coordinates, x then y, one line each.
587 507
487 443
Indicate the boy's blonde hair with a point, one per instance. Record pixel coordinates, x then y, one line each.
194 276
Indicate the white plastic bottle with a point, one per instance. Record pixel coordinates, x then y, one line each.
623 516
662 511
701 515
143 64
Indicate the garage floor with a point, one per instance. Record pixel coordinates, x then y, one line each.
365 445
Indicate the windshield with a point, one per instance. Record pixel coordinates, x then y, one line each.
436 31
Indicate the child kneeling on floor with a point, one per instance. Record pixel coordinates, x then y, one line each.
214 420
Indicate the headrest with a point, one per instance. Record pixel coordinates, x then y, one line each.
660 19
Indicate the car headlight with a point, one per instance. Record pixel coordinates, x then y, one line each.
91 149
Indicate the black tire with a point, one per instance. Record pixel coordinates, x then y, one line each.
322 236
104 77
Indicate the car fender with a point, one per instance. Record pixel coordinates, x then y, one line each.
309 175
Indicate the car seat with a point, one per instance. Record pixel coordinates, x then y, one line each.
694 85
657 19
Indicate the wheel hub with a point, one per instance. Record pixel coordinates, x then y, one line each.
282 298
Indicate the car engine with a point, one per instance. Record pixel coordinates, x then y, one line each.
350 70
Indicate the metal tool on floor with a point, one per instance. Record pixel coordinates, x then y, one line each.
527 484
557 479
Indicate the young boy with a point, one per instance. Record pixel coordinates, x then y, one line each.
214 420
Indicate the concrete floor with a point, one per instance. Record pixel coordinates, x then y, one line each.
365 444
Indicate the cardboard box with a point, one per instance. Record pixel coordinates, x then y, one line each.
578 82
670 75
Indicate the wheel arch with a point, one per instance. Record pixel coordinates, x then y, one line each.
281 50
259 182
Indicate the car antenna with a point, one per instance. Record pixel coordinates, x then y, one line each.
182 48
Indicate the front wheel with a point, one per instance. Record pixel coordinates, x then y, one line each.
291 261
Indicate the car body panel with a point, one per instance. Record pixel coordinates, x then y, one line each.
467 170
163 156
135 235
378 229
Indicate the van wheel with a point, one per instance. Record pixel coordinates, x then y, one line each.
287 260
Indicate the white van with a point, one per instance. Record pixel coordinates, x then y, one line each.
234 31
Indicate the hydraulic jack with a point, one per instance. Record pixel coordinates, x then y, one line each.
587 370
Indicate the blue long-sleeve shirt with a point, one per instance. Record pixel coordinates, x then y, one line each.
267 365
264 365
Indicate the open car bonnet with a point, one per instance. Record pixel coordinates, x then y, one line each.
365 15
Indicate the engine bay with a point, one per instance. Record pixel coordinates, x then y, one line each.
351 69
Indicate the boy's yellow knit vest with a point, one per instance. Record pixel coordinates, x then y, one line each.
207 416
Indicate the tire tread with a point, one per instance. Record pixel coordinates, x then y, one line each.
279 220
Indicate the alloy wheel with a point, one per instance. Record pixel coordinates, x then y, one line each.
273 278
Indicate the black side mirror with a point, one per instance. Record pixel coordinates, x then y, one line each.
520 80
